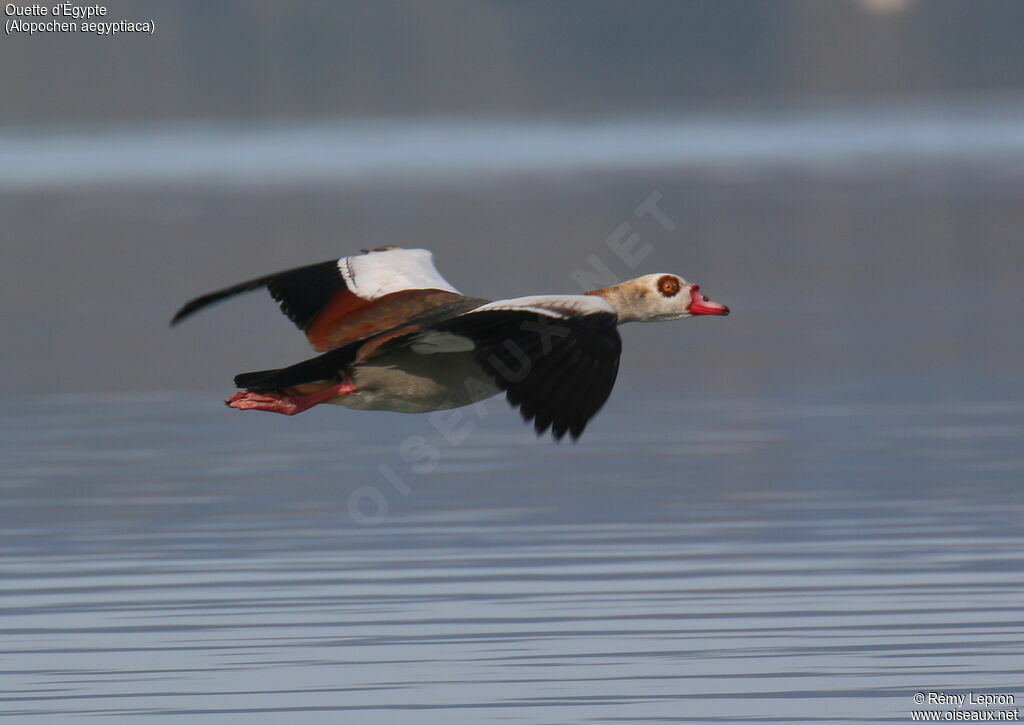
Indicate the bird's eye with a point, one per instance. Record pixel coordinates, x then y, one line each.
705 298
668 285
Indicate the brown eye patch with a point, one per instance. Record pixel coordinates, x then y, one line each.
668 285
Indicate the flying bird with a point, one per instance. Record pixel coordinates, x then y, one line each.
395 335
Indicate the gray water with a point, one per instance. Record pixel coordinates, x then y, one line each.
806 512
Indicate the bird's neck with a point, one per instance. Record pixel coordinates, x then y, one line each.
624 298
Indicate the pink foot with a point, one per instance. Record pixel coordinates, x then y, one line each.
275 401
284 402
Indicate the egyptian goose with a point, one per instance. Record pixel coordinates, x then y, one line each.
395 335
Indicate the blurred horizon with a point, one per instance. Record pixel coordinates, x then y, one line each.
262 60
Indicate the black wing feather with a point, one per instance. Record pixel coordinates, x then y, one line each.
569 375
302 292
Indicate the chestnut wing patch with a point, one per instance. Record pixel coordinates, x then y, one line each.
558 370
338 301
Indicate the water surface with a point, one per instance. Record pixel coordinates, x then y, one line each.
764 560
805 512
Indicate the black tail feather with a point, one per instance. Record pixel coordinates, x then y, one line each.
329 366
255 380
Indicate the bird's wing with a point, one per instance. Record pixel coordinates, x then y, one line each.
339 301
556 357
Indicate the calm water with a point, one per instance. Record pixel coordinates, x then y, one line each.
805 512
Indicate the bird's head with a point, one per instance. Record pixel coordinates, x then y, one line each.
657 297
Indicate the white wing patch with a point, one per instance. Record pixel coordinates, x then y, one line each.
561 307
377 274
434 342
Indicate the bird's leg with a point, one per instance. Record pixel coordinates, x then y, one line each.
287 401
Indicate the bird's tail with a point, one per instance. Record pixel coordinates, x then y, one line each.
330 366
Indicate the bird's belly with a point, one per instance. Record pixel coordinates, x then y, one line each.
413 383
